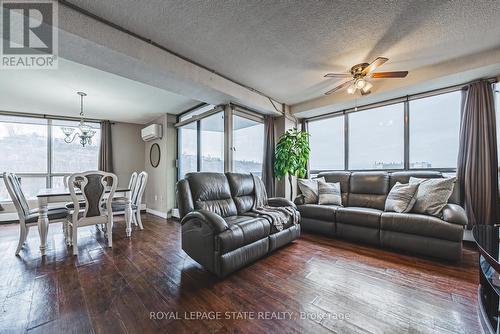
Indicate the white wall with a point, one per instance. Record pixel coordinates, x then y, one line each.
128 150
160 193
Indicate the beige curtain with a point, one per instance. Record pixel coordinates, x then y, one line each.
268 162
477 169
106 149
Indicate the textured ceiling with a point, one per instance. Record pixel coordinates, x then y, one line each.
53 92
283 48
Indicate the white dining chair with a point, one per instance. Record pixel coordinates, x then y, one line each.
131 186
65 180
135 200
93 188
29 218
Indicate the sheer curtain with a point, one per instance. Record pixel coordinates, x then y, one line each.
477 169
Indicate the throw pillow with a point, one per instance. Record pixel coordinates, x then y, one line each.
329 193
402 197
309 188
432 195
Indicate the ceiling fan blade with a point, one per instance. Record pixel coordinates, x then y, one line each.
338 75
395 74
339 87
376 63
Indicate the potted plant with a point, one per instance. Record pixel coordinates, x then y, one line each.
292 153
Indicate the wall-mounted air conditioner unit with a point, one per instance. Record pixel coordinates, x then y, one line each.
152 132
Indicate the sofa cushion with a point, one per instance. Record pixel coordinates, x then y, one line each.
338 176
432 195
329 193
368 189
243 230
242 191
402 197
210 191
316 211
422 225
309 188
368 217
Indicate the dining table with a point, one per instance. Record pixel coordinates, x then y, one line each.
58 195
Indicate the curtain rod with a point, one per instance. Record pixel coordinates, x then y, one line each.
46 116
395 100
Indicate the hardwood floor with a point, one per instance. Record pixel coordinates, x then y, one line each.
339 287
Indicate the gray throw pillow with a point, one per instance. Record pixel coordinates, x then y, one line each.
329 193
432 195
309 188
402 197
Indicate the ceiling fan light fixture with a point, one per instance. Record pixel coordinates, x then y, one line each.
351 89
360 83
367 87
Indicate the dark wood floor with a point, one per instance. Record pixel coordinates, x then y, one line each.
340 287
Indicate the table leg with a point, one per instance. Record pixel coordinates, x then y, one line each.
128 219
43 223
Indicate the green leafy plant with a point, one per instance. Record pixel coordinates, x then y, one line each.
291 155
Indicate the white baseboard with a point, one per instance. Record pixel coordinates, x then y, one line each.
157 213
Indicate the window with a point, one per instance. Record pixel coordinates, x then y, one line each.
188 149
248 143
376 138
327 144
434 129
87 156
24 144
212 143
204 147
27 143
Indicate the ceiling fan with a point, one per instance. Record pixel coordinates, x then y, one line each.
357 78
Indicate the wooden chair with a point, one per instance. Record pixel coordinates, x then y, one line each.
93 187
29 218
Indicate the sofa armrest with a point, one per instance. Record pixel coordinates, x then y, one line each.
299 200
453 213
216 223
280 201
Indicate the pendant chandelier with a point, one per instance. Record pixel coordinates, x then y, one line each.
85 131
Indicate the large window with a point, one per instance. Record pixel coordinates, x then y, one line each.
376 138
434 130
212 143
327 143
248 143
417 133
87 157
207 142
27 143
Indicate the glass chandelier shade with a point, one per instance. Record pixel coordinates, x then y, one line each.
85 131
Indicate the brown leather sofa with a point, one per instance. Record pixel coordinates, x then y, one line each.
219 231
362 217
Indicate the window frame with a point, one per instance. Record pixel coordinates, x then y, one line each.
406 101
228 111
48 125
